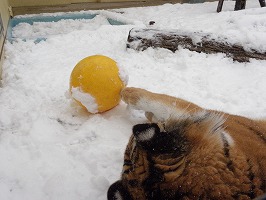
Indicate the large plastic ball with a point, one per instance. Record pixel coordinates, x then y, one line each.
95 83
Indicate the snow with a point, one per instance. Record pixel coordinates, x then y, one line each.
41 29
85 99
52 149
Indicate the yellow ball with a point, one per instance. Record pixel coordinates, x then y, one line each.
95 83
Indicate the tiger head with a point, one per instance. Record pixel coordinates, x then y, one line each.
158 155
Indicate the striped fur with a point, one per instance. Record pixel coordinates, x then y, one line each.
190 153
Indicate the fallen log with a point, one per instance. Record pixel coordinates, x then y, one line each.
141 39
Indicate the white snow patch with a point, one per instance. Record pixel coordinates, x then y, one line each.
85 99
123 74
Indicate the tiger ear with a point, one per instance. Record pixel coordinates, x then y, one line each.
153 138
145 132
117 192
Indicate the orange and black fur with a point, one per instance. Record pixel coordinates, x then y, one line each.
187 152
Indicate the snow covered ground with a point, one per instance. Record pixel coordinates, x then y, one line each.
51 149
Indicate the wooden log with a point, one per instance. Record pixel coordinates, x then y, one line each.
141 39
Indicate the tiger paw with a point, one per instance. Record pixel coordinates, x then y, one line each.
131 95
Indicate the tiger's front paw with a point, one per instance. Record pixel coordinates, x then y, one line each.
131 95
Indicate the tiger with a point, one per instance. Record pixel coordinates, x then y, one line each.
184 151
